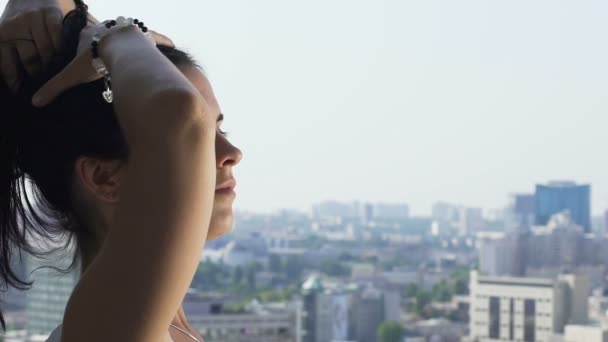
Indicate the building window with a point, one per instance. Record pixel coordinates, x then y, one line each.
511 318
529 320
494 317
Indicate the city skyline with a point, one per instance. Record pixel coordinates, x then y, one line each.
400 101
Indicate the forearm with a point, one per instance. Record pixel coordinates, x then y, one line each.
140 75
160 225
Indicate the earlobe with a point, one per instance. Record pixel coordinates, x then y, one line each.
101 178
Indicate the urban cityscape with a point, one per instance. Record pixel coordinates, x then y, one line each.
370 272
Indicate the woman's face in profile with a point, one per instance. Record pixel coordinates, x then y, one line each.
227 156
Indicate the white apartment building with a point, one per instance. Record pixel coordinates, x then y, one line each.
525 309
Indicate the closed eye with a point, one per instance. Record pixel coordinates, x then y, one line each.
220 120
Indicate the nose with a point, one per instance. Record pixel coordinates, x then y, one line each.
226 153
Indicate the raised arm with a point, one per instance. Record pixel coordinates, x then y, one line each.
135 285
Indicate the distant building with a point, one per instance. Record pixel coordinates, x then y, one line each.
471 221
544 251
49 295
366 212
351 313
438 329
391 211
523 209
525 309
446 212
585 333
13 299
318 325
556 197
366 315
278 326
558 244
605 232
269 322
495 254
335 209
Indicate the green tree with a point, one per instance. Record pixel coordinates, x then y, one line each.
442 292
250 271
390 331
423 298
334 268
210 276
411 290
461 287
250 274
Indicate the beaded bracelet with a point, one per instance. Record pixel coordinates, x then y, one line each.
97 63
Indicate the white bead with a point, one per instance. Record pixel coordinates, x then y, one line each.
121 20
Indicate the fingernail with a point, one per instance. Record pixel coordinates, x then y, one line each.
37 100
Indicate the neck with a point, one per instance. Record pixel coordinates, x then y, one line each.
90 248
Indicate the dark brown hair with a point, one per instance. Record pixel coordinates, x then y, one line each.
38 148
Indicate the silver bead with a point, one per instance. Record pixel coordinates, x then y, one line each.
121 21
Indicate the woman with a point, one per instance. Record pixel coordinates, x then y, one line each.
139 184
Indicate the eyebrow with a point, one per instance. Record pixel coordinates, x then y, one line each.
220 117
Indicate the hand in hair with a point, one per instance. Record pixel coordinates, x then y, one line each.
30 34
80 69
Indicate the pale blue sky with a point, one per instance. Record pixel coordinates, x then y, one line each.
409 101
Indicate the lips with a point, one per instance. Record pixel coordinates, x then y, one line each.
226 185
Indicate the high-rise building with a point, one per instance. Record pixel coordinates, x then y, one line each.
391 211
443 211
366 212
525 309
367 313
49 295
556 197
318 314
523 209
471 221
335 209
494 253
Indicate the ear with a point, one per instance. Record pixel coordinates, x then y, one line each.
100 177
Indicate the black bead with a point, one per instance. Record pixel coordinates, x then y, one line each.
144 29
135 21
140 24
108 25
113 22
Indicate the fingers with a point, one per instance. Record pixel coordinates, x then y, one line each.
54 22
78 71
161 39
9 65
39 32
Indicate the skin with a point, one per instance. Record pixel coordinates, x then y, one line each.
98 184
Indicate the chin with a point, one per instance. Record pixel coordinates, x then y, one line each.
220 225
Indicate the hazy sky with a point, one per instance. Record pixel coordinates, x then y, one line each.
409 101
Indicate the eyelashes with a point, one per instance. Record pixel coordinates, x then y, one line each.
223 133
